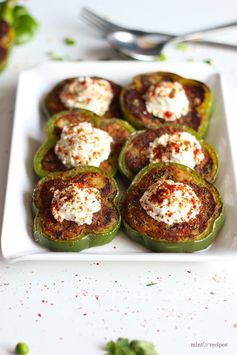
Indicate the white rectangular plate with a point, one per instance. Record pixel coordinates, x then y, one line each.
28 134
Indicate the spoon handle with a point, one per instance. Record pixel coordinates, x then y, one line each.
214 44
197 37
199 34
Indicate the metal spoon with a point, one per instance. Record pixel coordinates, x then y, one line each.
143 45
147 47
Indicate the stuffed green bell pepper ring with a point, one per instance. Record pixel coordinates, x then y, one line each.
168 143
170 208
156 98
75 210
23 24
80 137
92 93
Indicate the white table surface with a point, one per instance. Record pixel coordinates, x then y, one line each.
75 307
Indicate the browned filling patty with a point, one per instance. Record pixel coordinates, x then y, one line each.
52 163
137 218
72 117
137 152
6 34
4 29
68 230
54 104
135 103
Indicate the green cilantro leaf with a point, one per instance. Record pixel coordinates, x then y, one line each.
69 41
123 346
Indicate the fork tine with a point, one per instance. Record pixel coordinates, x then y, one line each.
100 19
97 21
94 24
108 26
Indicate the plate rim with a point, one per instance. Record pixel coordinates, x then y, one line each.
124 256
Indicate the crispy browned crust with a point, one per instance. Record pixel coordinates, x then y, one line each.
54 105
119 134
136 217
6 34
135 103
68 230
70 117
5 28
52 163
136 156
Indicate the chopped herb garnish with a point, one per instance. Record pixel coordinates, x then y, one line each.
161 58
54 56
69 41
123 346
151 283
208 61
182 47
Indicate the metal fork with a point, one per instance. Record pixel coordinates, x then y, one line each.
106 27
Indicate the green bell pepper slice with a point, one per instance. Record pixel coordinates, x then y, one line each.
17 26
6 11
24 25
208 173
188 243
25 28
48 235
197 119
112 125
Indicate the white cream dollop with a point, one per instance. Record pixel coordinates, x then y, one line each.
88 93
170 202
180 147
83 144
167 100
76 203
